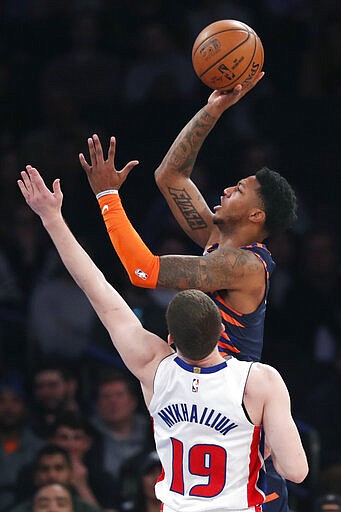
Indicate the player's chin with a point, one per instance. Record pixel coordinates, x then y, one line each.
216 219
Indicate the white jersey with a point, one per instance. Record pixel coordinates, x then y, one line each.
210 452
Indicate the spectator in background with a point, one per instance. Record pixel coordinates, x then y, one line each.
316 329
74 433
53 498
51 397
18 445
88 64
60 317
328 503
26 248
124 431
161 72
322 406
141 491
51 466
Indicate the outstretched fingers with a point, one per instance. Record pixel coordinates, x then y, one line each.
36 180
57 189
112 150
97 148
128 167
84 163
92 151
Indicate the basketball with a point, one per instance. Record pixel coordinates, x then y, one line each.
227 53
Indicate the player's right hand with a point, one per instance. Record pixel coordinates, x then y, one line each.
220 101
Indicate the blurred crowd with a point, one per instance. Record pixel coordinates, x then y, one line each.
72 421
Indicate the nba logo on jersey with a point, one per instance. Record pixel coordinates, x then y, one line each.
141 274
195 385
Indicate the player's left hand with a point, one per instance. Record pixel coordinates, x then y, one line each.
40 199
102 174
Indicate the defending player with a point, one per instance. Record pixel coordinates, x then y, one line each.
236 266
209 441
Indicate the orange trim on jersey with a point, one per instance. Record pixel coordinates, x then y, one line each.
271 497
264 264
226 346
142 266
225 335
230 319
224 303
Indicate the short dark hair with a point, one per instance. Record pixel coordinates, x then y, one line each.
74 420
279 200
52 366
52 449
107 376
194 323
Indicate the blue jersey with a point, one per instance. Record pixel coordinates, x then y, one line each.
243 335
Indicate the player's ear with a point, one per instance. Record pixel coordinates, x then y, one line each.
222 328
257 215
170 340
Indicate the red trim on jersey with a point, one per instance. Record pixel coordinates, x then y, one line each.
161 476
254 496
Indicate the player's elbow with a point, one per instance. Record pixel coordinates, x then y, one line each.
298 475
163 176
297 472
159 176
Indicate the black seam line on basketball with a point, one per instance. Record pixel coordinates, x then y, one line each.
247 67
221 32
223 57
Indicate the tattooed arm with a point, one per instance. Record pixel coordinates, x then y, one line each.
235 270
173 176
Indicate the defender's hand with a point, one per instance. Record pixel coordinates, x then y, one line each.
102 174
40 199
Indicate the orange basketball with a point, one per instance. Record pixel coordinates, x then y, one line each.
227 53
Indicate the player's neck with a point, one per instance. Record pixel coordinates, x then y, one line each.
239 239
211 360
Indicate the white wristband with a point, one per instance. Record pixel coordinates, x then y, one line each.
106 192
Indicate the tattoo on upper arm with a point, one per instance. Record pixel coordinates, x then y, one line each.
218 270
184 202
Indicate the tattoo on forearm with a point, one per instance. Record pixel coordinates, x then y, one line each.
184 202
185 148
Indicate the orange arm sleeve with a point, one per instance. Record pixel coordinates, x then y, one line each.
142 266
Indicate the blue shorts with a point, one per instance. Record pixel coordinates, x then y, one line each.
275 489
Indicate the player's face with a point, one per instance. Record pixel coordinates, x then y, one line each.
238 201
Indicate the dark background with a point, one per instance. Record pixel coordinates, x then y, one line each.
70 69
